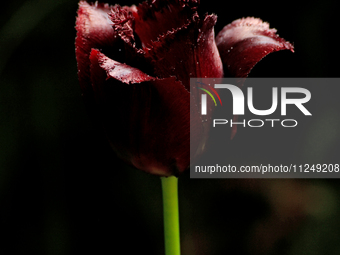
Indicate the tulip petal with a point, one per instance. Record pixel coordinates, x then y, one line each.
245 42
94 30
155 18
147 120
188 52
122 72
123 23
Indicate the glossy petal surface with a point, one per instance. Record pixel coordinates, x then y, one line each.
94 30
245 42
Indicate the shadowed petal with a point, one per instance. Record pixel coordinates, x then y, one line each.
245 42
188 52
123 22
156 18
143 122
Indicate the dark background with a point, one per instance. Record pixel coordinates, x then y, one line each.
63 191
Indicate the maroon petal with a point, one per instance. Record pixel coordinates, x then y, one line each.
94 30
123 22
188 52
147 120
122 72
156 18
245 42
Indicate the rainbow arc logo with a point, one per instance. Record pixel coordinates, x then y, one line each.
204 97
209 93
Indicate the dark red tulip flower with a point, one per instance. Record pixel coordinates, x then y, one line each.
134 65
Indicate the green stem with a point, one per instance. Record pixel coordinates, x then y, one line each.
171 218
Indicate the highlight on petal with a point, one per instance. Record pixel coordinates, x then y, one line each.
94 30
122 72
245 42
145 125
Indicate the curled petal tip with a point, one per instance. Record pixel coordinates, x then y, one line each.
244 42
116 70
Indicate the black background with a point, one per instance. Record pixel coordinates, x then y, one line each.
63 191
